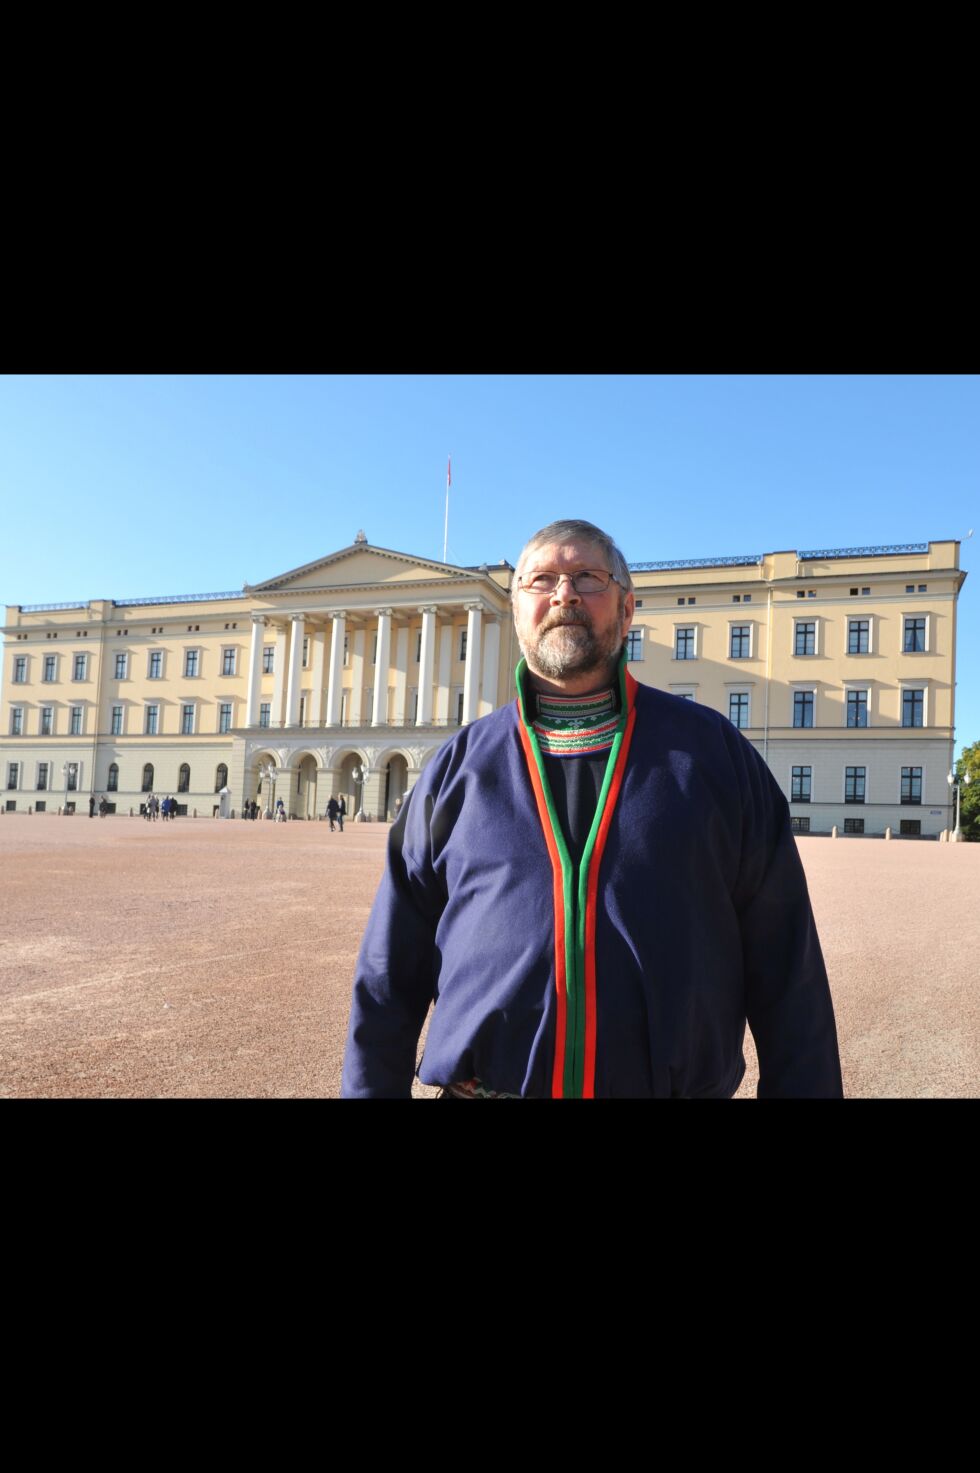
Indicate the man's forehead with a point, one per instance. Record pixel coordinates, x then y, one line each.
576 553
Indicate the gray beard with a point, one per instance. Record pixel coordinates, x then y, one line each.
570 648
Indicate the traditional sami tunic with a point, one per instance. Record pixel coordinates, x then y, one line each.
622 965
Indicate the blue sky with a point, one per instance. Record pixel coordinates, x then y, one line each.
117 486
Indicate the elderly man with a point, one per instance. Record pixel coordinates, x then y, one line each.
595 886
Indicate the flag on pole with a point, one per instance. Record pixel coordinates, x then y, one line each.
449 473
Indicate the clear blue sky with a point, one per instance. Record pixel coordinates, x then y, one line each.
130 486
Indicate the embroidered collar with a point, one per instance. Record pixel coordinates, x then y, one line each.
574 726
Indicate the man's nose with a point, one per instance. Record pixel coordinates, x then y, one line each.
564 590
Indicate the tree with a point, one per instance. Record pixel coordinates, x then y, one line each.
969 762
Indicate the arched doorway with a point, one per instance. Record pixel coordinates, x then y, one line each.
395 785
347 787
306 787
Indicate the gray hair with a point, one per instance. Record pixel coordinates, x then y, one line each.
575 531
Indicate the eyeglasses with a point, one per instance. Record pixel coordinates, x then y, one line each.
590 580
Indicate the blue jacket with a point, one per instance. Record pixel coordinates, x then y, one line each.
634 983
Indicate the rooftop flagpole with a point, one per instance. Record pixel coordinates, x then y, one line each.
449 481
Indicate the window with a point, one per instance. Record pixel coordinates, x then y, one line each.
220 777
302 711
915 637
47 720
187 720
865 592
911 784
228 661
147 786
374 651
680 600
50 668
806 637
122 667
854 825
854 784
459 709
224 717
269 659
800 790
184 778
922 587
858 636
346 649
79 667
738 708
13 774
152 720
155 668
913 707
75 723
800 825
910 828
306 651
418 647
910 588
857 708
112 781
265 712
634 644
462 648
684 643
191 661
692 600
803 708
741 645
20 670
71 782
746 598
42 777
854 593
16 721
116 725
736 598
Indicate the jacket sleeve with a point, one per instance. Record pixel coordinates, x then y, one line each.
396 965
787 995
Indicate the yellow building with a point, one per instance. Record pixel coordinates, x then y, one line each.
345 675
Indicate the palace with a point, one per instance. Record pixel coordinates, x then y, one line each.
345 675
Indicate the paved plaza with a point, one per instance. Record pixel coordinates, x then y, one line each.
203 958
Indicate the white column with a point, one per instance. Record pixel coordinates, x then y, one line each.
295 669
491 666
426 662
357 677
401 675
315 714
336 666
379 715
471 681
445 672
280 685
255 672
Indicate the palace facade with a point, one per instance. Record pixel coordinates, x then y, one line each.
345 675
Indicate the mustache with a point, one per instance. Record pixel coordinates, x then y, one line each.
565 616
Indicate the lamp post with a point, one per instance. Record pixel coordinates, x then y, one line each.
357 778
957 782
268 775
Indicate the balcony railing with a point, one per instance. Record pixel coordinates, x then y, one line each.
442 723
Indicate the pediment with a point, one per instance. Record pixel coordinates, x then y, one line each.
361 564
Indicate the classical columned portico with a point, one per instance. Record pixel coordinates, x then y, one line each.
255 672
379 714
295 669
337 637
426 663
471 680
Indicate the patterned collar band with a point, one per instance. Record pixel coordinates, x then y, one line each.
576 726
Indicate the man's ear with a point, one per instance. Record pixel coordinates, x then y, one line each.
629 608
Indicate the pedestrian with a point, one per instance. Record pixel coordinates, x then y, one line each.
280 811
91 805
333 808
156 809
595 886
341 810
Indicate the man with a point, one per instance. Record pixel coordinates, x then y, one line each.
341 811
595 885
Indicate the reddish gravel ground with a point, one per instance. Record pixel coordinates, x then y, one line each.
202 958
